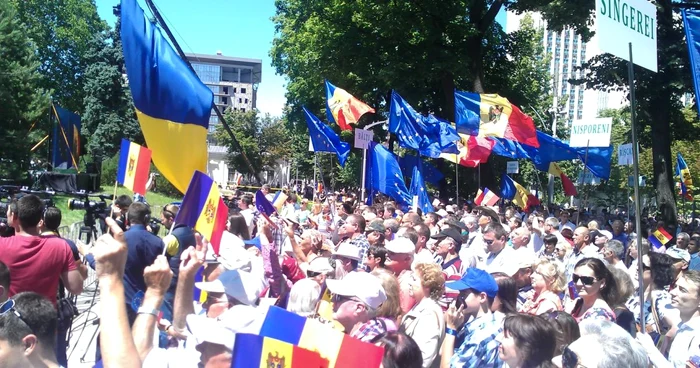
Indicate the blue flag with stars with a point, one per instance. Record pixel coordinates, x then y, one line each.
428 135
324 138
419 191
431 174
384 174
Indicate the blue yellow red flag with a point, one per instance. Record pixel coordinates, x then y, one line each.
660 237
255 351
134 166
343 108
491 115
172 105
279 200
686 180
203 209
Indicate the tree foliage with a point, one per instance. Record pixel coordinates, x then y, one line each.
109 114
23 101
264 140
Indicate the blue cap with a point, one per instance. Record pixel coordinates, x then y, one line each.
476 279
254 242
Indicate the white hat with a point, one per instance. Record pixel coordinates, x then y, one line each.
449 209
232 254
678 253
320 265
606 234
348 250
237 284
520 258
442 213
222 330
364 286
400 245
293 218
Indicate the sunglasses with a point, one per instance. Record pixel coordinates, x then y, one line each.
586 280
569 359
9 306
489 241
311 274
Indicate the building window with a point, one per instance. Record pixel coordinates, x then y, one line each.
225 90
240 100
234 89
243 90
246 101
243 110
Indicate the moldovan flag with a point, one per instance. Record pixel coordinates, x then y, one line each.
486 198
204 210
494 116
254 351
684 173
172 105
134 166
278 200
341 350
343 108
569 188
659 238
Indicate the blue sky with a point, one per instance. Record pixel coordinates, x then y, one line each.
236 28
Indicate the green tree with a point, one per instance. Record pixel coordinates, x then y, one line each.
61 31
264 140
22 100
109 114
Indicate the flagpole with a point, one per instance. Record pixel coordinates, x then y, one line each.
585 167
114 197
637 199
457 185
315 183
364 171
479 174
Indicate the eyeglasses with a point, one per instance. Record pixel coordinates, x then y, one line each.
489 241
9 306
311 274
340 299
569 359
586 280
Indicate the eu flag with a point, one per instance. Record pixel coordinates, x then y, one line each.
324 139
419 192
428 135
691 21
384 174
172 105
431 174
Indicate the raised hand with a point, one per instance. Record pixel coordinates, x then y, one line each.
110 252
158 276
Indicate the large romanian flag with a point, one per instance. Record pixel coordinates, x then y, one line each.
255 351
134 166
173 106
473 150
338 348
491 115
204 209
343 108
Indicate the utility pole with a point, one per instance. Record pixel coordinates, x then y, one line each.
555 115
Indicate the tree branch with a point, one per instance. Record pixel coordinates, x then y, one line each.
489 17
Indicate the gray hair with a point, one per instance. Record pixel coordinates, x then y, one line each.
392 224
616 247
617 346
684 236
469 219
552 221
303 297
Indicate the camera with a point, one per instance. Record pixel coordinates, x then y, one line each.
76 204
154 224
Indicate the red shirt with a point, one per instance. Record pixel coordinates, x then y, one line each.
36 263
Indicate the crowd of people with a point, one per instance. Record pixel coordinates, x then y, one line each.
464 286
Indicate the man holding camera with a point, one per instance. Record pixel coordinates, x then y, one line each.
37 263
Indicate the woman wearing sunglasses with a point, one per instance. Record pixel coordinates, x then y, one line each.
596 287
548 281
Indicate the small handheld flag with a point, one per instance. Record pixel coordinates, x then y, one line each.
659 238
134 166
278 200
203 209
486 198
260 351
686 180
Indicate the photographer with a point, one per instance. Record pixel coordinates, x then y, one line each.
37 262
119 210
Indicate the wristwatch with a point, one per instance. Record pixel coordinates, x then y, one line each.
451 331
144 310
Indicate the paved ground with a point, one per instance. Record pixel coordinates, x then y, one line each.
81 352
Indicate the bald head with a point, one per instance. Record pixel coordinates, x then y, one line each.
582 235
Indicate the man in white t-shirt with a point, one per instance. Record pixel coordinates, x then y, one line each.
246 206
499 255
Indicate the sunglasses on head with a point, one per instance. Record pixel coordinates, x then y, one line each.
586 280
9 306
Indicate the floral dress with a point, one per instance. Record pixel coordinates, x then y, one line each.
599 310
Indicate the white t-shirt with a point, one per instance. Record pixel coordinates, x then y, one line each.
499 262
249 216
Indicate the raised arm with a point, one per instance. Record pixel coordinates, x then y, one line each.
157 277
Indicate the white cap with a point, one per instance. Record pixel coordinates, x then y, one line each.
237 284
678 253
400 245
349 250
320 265
442 213
222 330
606 234
232 254
449 208
361 285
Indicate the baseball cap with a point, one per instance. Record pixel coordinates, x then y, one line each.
441 213
606 234
400 245
449 232
449 209
521 258
222 330
240 285
348 250
375 226
361 285
677 253
455 223
476 279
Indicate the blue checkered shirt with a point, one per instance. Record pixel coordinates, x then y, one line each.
480 348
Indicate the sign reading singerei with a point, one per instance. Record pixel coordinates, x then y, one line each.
619 22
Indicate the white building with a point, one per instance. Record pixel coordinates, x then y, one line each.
566 52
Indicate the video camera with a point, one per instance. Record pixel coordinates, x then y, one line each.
155 224
12 192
